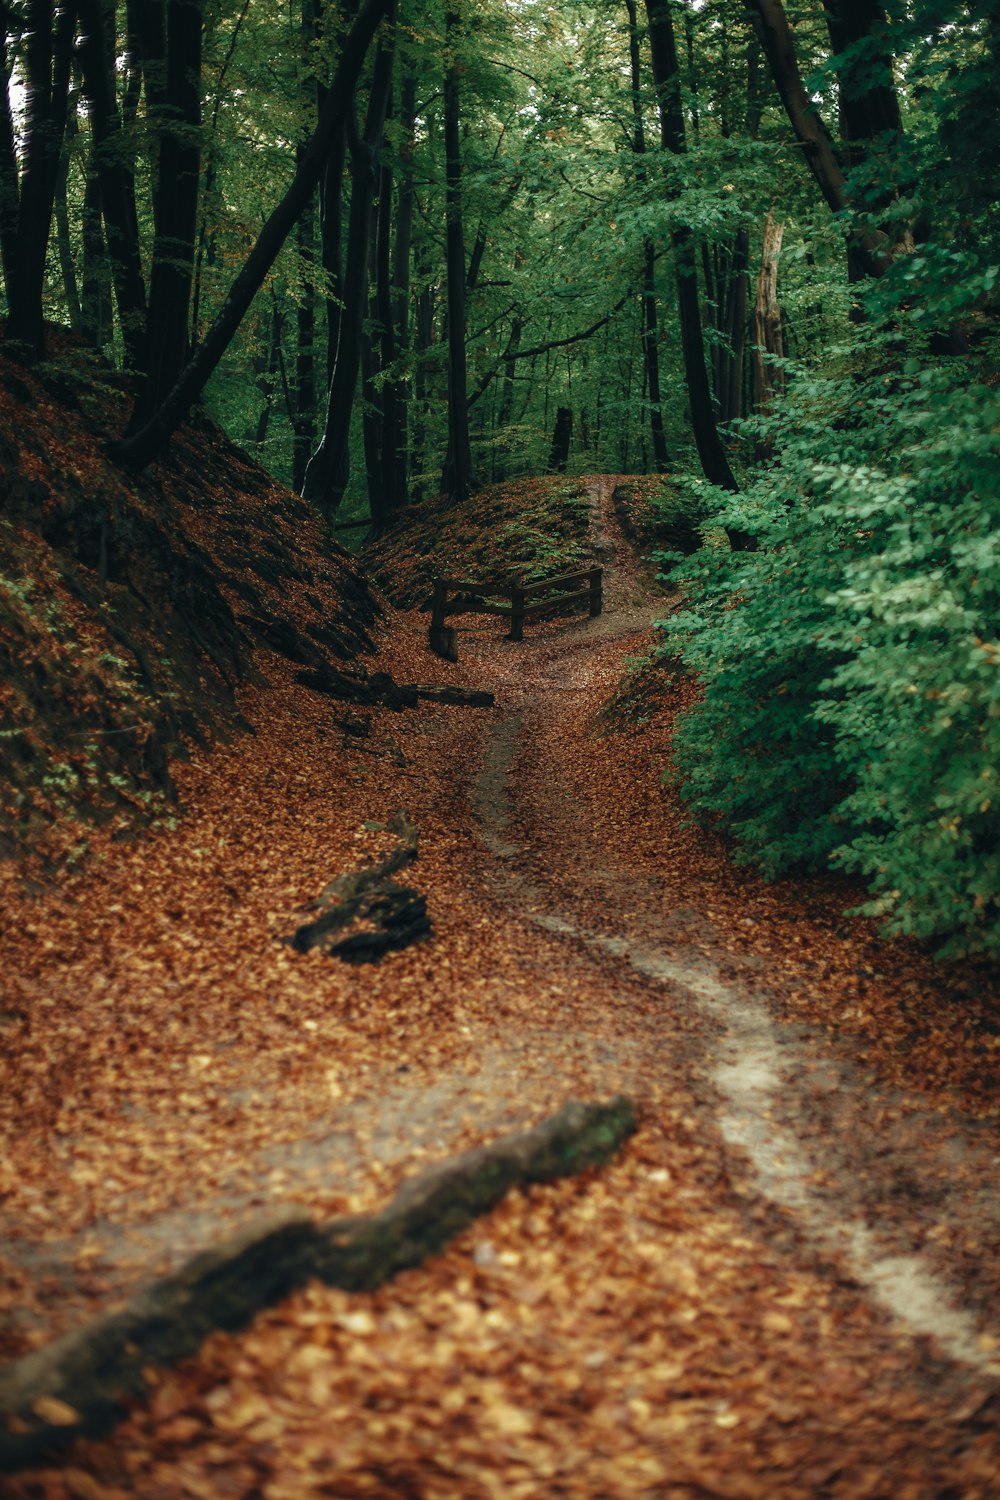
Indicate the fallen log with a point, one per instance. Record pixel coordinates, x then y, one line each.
386 915
461 697
77 1386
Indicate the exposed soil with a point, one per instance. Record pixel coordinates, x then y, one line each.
785 1287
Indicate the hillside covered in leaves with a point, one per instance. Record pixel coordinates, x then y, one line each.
130 609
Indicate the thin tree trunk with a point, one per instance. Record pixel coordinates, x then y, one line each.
458 478
172 43
265 370
328 469
9 190
141 447
869 250
48 58
114 176
96 305
768 333
650 316
398 390
206 242
710 450
64 244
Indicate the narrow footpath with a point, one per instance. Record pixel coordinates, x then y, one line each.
784 1288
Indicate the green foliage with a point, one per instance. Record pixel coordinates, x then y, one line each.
851 704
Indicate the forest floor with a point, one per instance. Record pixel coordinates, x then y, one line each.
785 1286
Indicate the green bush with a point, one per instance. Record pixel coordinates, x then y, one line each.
851 666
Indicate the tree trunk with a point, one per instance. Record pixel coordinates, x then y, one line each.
398 390
64 244
9 191
265 372
667 77
328 469
868 250
114 176
458 479
48 56
140 447
650 318
206 242
769 339
172 44
96 308
562 434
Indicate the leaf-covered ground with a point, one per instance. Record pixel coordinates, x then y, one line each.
130 606
784 1287
537 528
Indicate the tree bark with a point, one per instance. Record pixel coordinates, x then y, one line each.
172 45
769 340
9 189
67 263
48 55
868 250
115 179
458 478
328 469
666 74
650 317
137 450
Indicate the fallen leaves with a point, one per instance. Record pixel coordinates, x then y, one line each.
659 1329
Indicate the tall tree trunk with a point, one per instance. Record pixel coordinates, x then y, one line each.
398 390
331 220
265 369
868 106
304 414
64 243
172 44
650 317
138 449
9 191
305 359
768 333
667 77
48 58
868 250
458 479
328 469
205 255
96 306
114 174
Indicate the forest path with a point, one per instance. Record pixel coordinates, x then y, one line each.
790 1106
785 1287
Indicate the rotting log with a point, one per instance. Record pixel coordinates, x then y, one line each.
381 689
459 697
384 914
78 1384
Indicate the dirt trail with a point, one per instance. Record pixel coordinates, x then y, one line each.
784 1289
792 1110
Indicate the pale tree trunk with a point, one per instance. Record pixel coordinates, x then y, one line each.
768 334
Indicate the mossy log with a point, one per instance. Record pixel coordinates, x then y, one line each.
79 1383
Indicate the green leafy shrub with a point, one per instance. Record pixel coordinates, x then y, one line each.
851 666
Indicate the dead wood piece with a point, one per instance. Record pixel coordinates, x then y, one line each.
462 697
352 687
349 687
79 1383
396 916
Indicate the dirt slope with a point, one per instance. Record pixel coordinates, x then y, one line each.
131 608
786 1287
